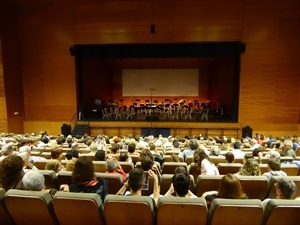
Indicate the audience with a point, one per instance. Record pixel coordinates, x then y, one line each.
274 169
113 166
250 168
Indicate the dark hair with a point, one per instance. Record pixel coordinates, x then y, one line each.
100 155
83 169
11 171
256 151
193 144
147 163
136 178
123 156
229 156
115 148
131 147
181 183
237 145
287 187
72 154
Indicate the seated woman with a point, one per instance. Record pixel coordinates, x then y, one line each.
84 179
250 168
54 165
230 187
204 163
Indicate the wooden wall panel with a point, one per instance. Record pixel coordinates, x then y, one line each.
46 29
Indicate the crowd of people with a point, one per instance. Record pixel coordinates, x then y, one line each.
17 169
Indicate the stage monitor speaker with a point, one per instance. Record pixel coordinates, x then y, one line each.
247 132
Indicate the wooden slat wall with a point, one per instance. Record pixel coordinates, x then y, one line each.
269 97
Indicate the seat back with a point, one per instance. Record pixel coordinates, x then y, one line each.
207 183
166 181
290 169
50 179
194 171
189 160
64 177
217 159
280 211
169 167
255 187
225 168
114 181
6 219
99 166
78 208
271 193
189 211
41 164
235 212
30 207
126 166
128 210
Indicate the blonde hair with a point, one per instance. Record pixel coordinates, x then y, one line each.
250 168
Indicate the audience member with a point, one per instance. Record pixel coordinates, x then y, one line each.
193 145
112 166
229 156
33 180
11 172
135 183
206 166
250 168
84 179
274 169
230 188
100 155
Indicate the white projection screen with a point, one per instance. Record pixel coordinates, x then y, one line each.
166 82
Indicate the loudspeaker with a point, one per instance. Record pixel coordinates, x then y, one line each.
152 28
247 131
66 129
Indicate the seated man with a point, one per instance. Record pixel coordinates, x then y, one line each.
135 183
112 166
180 184
285 189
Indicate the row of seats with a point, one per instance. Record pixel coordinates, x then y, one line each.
256 187
36 208
169 167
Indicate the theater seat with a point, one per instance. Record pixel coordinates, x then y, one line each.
280 211
207 183
255 187
271 193
30 207
169 167
78 208
175 210
166 181
128 210
4 215
235 212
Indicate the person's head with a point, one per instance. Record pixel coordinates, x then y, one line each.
230 187
100 155
111 164
147 163
174 157
247 156
54 165
83 170
229 156
33 180
193 144
7 150
74 146
11 171
146 152
131 148
72 154
176 143
287 144
93 147
237 145
215 151
200 155
274 164
136 179
250 168
286 188
115 148
256 152
181 184
152 146
56 153
124 157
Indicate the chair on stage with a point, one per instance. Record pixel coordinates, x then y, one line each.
204 114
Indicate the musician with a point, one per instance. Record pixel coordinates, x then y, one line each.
181 102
